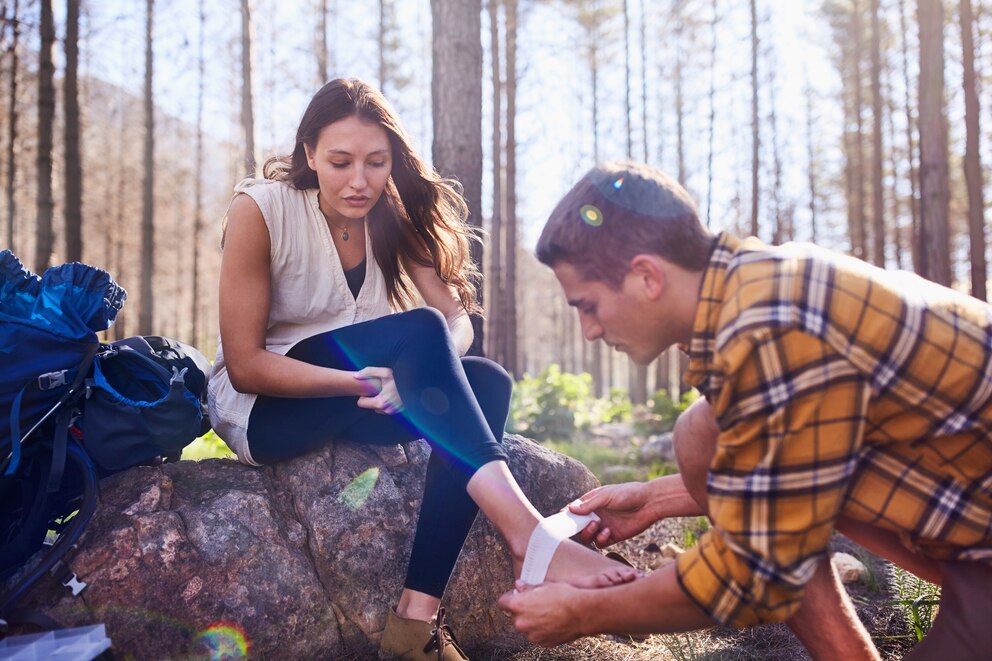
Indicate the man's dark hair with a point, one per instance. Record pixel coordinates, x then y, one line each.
619 210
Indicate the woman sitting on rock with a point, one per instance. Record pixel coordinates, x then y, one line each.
317 258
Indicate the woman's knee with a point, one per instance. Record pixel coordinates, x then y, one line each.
694 442
424 320
492 387
424 328
489 374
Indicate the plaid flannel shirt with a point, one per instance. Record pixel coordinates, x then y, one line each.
839 388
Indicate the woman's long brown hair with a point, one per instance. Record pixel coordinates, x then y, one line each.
421 216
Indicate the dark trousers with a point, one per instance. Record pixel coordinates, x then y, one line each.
458 405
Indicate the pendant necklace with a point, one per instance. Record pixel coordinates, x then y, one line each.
345 235
344 230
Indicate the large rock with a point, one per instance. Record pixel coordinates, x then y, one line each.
301 559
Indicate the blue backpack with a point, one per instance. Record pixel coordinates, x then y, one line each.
73 410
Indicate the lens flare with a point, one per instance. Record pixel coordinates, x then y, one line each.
222 641
591 215
359 489
618 183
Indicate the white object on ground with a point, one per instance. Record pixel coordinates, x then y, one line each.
78 644
544 542
849 568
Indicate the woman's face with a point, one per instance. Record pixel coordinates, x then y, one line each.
352 159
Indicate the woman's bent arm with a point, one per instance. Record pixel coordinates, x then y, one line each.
245 294
445 300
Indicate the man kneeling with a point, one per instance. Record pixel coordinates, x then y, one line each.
836 395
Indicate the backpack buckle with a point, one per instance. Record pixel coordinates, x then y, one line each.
52 380
72 582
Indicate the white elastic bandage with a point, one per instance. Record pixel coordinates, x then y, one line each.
545 540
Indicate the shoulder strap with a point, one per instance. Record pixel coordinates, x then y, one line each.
52 559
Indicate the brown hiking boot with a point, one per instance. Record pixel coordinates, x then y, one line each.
416 640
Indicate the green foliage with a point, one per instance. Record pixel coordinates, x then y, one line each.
354 495
680 646
918 600
609 465
871 580
544 406
556 405
693 529
659 414
615 407
208 446
661 469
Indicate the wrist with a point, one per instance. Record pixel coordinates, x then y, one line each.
584 611
360 386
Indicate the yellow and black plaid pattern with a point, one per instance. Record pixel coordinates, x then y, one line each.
839 388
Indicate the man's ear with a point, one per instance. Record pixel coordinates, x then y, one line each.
650 274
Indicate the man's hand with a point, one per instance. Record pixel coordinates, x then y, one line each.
544 613
380 390
623 510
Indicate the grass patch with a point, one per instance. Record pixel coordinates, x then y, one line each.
208 446
918 600
611 465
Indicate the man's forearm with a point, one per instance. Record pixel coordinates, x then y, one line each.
653 604
669 497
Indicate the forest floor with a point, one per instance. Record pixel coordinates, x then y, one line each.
882 602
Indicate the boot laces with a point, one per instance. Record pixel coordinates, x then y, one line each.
441 637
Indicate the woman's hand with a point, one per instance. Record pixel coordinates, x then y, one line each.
380 390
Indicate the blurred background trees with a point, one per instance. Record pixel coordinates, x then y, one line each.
856 124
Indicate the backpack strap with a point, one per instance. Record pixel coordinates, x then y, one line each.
53 557
10 463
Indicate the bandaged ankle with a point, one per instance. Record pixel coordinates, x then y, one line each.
544 542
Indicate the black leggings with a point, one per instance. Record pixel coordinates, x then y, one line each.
458 405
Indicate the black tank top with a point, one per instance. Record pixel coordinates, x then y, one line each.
356 277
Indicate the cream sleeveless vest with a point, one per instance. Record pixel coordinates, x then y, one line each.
309 294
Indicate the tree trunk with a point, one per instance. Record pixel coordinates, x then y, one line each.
858 229
46 120
146 318
780 232
679 98
712 118
644 83
934 177
590 19
513 357
321 49
198 179
382 45
12 128
456 91
639 381
972 158
636 375
811 162
626 79
247 109
916 230
755 134
878 191
497 324
73 154
898 229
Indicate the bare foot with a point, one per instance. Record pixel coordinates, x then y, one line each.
583 567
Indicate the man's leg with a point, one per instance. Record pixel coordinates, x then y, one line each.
962 629
826 623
